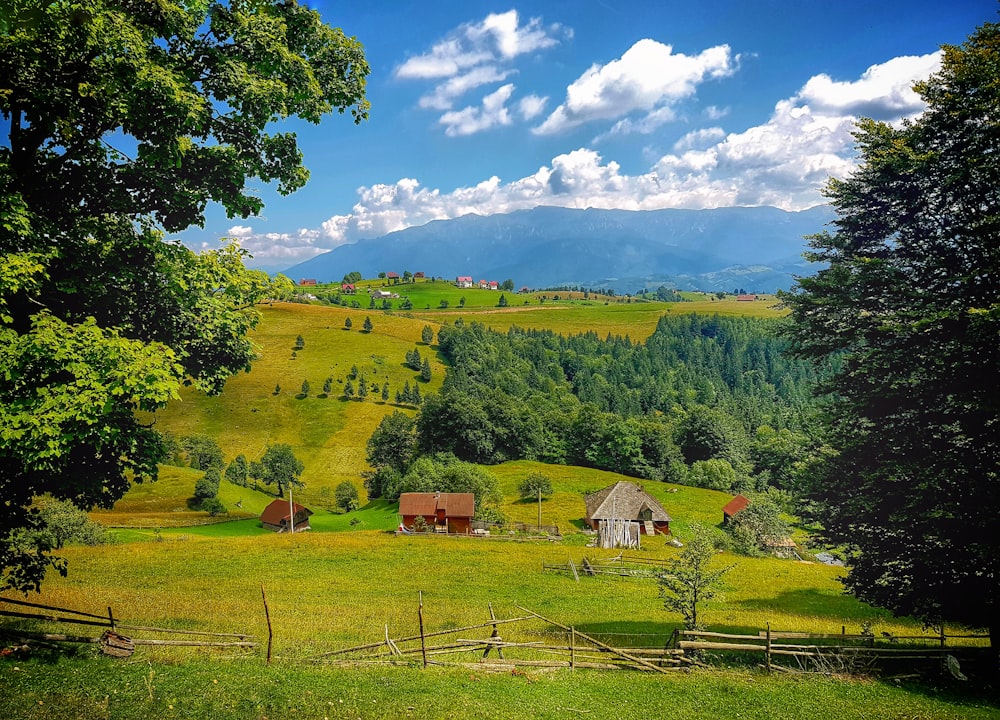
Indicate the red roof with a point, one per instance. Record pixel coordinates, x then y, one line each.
455 505
277 512
392 275
347 286
735 505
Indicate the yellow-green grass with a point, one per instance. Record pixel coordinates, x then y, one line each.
205 688
332 590
327 433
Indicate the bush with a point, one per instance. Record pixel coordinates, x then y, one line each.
214 507
66 523
346 496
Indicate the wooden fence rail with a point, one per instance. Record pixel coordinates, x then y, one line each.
110 641
832 652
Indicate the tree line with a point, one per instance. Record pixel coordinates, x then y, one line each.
707 401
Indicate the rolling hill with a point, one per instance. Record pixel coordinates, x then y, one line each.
755 248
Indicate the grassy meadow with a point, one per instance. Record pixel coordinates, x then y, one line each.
350 580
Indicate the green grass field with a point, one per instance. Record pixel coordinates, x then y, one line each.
349 580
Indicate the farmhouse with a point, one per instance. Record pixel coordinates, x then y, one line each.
734 506
307 282
348 288
278 515
392 277
464 281
444 512
623 511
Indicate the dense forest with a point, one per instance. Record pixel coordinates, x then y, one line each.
707 401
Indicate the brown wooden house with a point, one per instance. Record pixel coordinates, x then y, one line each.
628 502
278 516
443 512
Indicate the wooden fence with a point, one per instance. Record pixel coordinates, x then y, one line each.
111 641
620 565
569 648
831 653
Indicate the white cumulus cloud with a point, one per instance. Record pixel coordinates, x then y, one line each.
493 111
474 55
783 162
647 78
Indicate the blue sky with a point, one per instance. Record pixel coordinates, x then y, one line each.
484 107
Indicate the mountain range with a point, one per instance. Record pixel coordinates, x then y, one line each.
758 249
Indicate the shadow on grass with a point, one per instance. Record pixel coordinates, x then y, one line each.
816 603
622 634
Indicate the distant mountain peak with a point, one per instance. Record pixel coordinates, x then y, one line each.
758 248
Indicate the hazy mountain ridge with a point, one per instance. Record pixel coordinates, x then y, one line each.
759 249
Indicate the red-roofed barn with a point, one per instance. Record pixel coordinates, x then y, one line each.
444 512
278 516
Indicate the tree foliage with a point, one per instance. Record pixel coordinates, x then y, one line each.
908 304
691 578
238 471
280 467
126 119
346 496
535 485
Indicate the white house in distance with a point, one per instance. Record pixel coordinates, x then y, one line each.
464 281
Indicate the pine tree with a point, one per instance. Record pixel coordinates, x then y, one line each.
425 370
349 389
367 327
385 391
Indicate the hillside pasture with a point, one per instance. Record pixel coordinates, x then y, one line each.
327 433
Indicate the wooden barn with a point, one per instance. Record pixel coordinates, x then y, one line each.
278 516
623 511
443 512
734 506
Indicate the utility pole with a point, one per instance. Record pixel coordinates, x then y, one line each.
539 509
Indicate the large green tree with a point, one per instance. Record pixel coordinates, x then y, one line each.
908 304
125 118
280 467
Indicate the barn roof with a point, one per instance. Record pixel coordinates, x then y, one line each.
735 505
277 512
455 505
623 500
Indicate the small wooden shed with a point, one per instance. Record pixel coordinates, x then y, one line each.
279 514
626 502
443 512
734 506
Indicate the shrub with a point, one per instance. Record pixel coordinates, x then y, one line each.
346 496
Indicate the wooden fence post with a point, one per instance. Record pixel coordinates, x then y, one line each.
767 652
420 616
111 620
572 647
270 632
942 634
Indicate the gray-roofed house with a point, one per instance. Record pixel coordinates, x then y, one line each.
623 511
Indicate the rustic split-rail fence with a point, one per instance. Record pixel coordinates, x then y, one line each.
529 640
113 640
